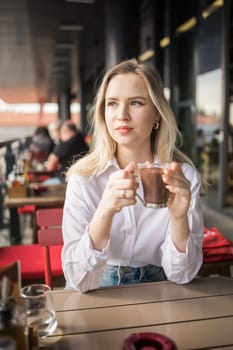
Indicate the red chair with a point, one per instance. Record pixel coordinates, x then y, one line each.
217 253
30 258
50 238
27 210
43 260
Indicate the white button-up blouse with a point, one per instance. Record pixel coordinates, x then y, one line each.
139 236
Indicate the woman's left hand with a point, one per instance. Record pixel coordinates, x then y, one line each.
179 191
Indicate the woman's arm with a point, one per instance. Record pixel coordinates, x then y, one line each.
178 205
87 220
182 249
119 192
53 162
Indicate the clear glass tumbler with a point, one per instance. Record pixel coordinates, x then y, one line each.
41 314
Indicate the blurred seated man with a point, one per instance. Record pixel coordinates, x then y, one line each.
72 146
41 144
54 131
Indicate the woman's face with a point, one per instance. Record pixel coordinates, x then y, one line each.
129 112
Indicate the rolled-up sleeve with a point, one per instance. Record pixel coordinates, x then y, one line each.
82 264
183 267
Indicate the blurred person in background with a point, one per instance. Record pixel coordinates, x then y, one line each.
41 145
72 146
54 131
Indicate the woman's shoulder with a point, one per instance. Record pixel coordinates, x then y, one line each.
189 169
76 178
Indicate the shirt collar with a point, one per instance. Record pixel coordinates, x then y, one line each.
111 163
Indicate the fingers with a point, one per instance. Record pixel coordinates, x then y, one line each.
124 198
130 167
127 194
174 178
121 188
176 183
114 199
124 179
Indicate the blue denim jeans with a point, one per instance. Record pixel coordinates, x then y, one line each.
117 275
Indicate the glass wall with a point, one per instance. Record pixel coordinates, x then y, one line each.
209 95
208 123
190 52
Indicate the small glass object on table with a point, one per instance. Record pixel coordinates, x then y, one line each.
41 316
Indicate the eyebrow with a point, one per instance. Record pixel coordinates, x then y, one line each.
137 97
130 98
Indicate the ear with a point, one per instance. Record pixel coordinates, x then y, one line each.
155 125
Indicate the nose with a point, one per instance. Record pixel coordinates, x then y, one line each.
122 112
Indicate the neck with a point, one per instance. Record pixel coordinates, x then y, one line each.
124 156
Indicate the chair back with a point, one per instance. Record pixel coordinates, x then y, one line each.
49 234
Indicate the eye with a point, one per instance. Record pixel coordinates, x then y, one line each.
111 103
136 103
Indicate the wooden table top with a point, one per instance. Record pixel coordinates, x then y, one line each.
198 315
54 195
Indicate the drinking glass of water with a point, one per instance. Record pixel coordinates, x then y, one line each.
41 316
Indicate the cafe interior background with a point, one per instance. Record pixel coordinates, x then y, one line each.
53 51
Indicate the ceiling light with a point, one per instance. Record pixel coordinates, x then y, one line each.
146 55
164 42
81 1
210 9
218 3
190 23
71 27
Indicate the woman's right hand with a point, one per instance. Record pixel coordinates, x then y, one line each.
120 190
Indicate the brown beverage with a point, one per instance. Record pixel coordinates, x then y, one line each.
155 192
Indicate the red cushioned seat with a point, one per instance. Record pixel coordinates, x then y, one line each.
31 259
49 237
217 253
26 209
216 247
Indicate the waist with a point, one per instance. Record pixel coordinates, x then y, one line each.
132 270
128 269
115 274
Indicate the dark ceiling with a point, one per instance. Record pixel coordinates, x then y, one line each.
39 60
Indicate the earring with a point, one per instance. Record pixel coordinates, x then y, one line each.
156 126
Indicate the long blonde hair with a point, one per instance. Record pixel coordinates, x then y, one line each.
103 147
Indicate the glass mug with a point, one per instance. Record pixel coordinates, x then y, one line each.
155 193
41 316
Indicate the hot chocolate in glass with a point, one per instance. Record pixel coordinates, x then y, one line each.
154 189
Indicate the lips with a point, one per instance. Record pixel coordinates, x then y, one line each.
123 129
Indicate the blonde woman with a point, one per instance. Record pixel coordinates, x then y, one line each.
110 238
